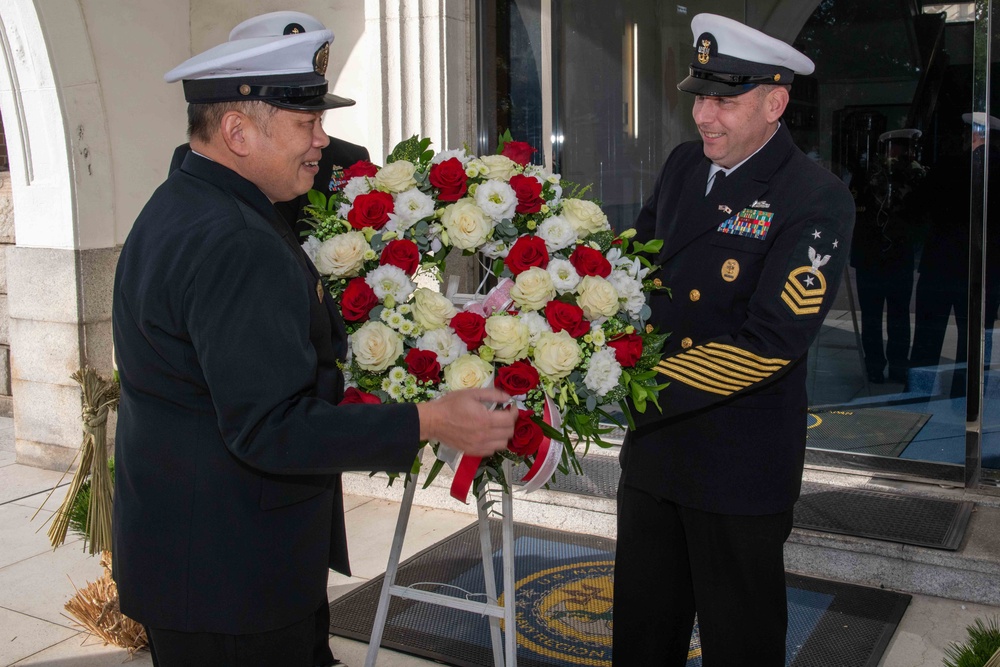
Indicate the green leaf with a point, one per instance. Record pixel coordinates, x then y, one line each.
435 469
317 199
503 139
408 149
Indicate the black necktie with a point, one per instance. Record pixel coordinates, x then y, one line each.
715 180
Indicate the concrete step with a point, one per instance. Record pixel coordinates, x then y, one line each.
971 574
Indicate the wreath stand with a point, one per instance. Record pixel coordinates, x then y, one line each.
504 649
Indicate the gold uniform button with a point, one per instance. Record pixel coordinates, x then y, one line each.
695 295
649 328
657 282
686 343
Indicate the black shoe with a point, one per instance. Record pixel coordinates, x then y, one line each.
876 377
898 375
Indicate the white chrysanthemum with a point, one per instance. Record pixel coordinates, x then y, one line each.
497 199
603 373
397 374
393 318
459 153
344 210
557 233
388 280
630 292
407 327
359 185
410 207
443 342
409 391
386 384
564 275
495 249
537 325
310 247
405 308
597 335
376 346
395 391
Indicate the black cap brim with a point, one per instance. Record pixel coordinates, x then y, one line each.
699 86
319 103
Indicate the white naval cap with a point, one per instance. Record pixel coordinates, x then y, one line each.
979 120
279 58
730 58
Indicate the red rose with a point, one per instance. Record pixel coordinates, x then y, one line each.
518 151
357 301
527 251
628 349
360 168
355 395
527 434
423 365
449 177
565 316
529 193
590 262
517 379
370 210
470 327
401 253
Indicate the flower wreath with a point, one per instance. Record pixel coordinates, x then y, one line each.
563 331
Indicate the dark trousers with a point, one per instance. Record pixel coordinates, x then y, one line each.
673 562
304 643
881 290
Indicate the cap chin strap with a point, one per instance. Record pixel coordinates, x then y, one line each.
265 89
740 79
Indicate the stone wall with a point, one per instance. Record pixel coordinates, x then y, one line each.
6 239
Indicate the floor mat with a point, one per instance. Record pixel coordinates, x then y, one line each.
873 431
564 607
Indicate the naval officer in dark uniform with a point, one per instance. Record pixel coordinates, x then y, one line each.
755 238
337 156
230 441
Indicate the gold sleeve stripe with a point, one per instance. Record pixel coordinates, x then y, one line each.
692 383
741 361
800 293
721 364
695 367
747 354
733 372
698 377
799 309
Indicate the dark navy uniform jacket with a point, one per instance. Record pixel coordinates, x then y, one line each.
753 268
337 156
228 508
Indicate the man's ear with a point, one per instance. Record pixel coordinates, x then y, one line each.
775 103
234 130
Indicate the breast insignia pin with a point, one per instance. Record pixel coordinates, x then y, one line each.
730 270
319 290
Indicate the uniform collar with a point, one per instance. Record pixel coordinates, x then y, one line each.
228 180
714 168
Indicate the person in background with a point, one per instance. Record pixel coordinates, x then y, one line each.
234 423
755 240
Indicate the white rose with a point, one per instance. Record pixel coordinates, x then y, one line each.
376 346
499 167
557 233
597 297
603 372
431 309
466 224
564 275
468 372
533 289
508 337
586 217
444 342
497 199
343 255
556 354
396 177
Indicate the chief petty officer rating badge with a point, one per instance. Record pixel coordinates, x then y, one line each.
806 285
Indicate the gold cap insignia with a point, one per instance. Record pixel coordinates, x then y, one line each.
730 270
319 290
777 77
244 89
704 51
321 58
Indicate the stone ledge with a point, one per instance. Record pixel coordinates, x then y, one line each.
44 455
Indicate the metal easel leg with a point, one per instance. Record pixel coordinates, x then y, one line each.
390 572
486 543
509 607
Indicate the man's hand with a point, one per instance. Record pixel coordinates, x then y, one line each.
464 420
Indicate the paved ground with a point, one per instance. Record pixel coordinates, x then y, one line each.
36 581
